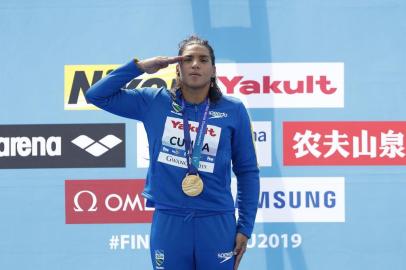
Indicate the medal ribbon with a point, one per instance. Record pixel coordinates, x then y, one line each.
193 153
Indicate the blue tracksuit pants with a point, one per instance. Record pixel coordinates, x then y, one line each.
192 241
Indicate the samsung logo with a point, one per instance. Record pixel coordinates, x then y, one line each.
300 199
297 199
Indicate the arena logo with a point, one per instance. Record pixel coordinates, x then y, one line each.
261 135
300 199
60 146
263 143
106 201
258 85
26 146
96 148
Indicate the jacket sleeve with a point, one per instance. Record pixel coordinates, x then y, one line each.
108 93
245 167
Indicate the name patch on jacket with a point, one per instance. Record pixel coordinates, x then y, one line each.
172 151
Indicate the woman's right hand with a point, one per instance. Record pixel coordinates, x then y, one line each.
152 65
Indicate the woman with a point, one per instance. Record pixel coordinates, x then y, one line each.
189 176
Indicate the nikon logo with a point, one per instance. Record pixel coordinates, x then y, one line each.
25 146
79 78
62 146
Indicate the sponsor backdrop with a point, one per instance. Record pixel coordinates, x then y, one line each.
323 82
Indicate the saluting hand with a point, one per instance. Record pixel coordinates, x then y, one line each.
241 242
152 65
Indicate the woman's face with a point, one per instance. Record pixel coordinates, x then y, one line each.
196 68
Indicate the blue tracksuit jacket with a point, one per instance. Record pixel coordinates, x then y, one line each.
228 139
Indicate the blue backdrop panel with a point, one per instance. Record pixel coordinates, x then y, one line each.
38 38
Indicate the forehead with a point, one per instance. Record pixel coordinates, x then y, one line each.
196 49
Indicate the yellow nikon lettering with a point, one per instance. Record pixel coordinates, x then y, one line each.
79 78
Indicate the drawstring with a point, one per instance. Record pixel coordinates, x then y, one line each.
189 214
189 217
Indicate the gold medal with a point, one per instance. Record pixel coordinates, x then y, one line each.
192 185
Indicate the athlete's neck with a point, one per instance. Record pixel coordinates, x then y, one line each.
195 96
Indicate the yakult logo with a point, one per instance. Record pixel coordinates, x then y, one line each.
268 86
192 128
284 85
106 201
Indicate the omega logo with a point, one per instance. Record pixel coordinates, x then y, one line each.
113 202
